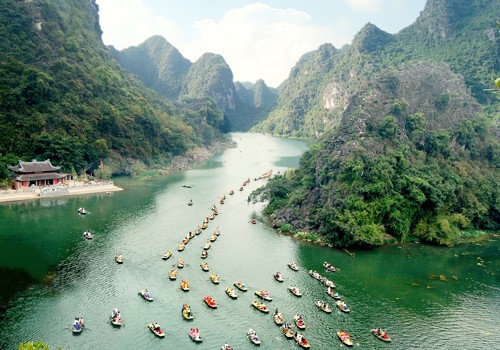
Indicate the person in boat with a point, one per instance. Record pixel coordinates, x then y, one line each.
156 326
148 295
298 337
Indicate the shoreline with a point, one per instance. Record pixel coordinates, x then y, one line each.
19 196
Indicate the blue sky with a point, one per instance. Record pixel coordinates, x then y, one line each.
258 39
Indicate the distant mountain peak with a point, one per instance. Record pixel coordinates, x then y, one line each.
371 38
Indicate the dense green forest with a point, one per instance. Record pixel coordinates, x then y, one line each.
63 96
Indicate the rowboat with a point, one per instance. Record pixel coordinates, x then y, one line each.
191 234
345 338
180 263
343 306
260 306
181 247
213 238
185 285
231 192
172 274
226 347
315 275
252 335
241 286
207 245
381 334
204 226
287 330
185 240
293 266
263 294
167 255
214 278
119 259
323 306
82 211
278 318
198 230
278 277
295 291
204 254
190 203
253 221
299 322
303 343
186 312
331 292
328 282
231 293
330 267
155 328
146 295
194 334
77 326
210 302
88 235
212 216
217 231
116 318
204 266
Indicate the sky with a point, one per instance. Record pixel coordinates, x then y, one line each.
258 39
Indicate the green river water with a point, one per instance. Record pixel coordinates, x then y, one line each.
50 274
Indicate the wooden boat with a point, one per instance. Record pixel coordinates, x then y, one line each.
185 240
260 306
210 302
263 294
204 254
323 306
381 334
315 275
293 266
116 320
185 285
213 238
331 292
253 221
190 203
212 216
295 291
119 259
204 266
241 286
217 231
252 335
231 192
278 277
231 293
345 338
181 247
172 274
191 235
328 283
146 295
204 226
155 328
226 347
241 188
287 331
343 306
221 201
299 322
78 325
180 263
303 343
278 318
82 211
186 312
194 334
88 235
167 255
330 267
207 245
214 278
198 230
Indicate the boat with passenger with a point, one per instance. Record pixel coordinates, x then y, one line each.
260 306
156 329
252 335
345 338
146 295
77 326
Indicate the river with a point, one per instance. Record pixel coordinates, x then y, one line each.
426 297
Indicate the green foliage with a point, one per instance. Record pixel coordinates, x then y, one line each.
40 345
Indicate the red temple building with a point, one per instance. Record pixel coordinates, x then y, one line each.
35 173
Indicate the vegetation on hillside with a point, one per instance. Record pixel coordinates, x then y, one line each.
63 97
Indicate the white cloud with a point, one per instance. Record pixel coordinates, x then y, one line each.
258 40
365 6
130 23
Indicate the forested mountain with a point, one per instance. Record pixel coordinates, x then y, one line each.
460 33
408 144
161 67
64 97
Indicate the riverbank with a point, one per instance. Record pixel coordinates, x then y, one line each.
74 189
